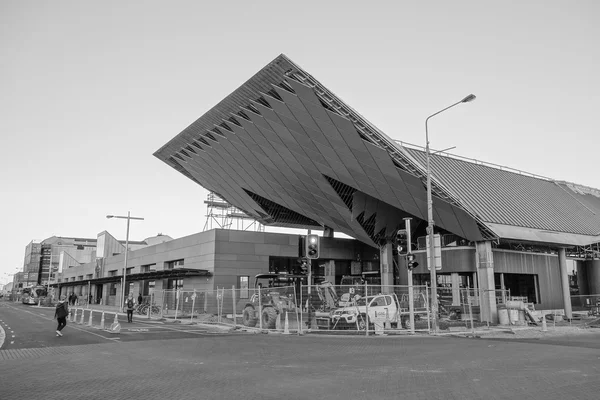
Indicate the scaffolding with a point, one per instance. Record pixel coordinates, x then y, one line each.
222 215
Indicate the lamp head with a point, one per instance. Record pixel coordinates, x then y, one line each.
110 216
469 98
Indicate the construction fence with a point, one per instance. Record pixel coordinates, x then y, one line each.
586 303
355 309
260 308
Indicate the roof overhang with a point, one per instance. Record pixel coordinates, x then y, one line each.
510 232
288 152
151 275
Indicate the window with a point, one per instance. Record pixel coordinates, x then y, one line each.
112 273
89 276
243 284
148 268
175 283
112 289
175 264
128 271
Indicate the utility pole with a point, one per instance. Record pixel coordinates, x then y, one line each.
411 300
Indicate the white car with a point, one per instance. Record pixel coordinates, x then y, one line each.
380 308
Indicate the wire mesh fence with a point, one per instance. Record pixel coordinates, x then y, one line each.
273 308
586 303
360 309
364 309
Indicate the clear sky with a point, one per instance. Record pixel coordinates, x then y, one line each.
90 89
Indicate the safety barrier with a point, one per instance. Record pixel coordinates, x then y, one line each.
364 309
79 315
272 309
586 303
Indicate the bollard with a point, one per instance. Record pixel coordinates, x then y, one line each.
90 320
71 315
82 315
115 326
278 323
102 321
286 326
387 324
544 326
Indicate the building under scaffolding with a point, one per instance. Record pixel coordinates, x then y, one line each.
222 215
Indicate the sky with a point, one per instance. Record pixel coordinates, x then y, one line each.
89 90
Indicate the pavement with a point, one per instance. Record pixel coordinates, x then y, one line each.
165 364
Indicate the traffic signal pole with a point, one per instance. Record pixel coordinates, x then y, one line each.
411 300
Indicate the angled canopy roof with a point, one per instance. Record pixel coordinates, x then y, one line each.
288 152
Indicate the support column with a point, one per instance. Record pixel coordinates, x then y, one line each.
487 288
455 288
564 278
330 271
387 267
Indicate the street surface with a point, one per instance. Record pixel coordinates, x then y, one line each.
169 361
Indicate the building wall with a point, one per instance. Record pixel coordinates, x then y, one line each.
462 259
246 253
545 266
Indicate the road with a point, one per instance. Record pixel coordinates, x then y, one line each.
144 365
28 327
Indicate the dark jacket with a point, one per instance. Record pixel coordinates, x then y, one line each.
62 309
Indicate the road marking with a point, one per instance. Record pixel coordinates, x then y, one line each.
73 327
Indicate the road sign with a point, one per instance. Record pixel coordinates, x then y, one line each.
437 247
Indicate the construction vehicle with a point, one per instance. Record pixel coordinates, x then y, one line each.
276 296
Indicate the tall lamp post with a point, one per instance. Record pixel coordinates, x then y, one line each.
431 261
128 218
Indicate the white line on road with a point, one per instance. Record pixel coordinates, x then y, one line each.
74 327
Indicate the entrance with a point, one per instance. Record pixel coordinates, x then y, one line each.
98 295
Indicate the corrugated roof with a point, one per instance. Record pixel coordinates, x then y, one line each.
509 198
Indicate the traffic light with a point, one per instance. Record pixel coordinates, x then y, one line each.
402 241
410 261
304 263
312 246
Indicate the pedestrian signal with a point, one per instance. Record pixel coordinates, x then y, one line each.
410 262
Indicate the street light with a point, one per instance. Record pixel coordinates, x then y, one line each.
432 271
128 218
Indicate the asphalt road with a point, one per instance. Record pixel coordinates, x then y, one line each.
257 366
34 327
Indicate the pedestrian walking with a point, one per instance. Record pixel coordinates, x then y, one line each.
74 298
140 298
70 299
130 303
62 310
